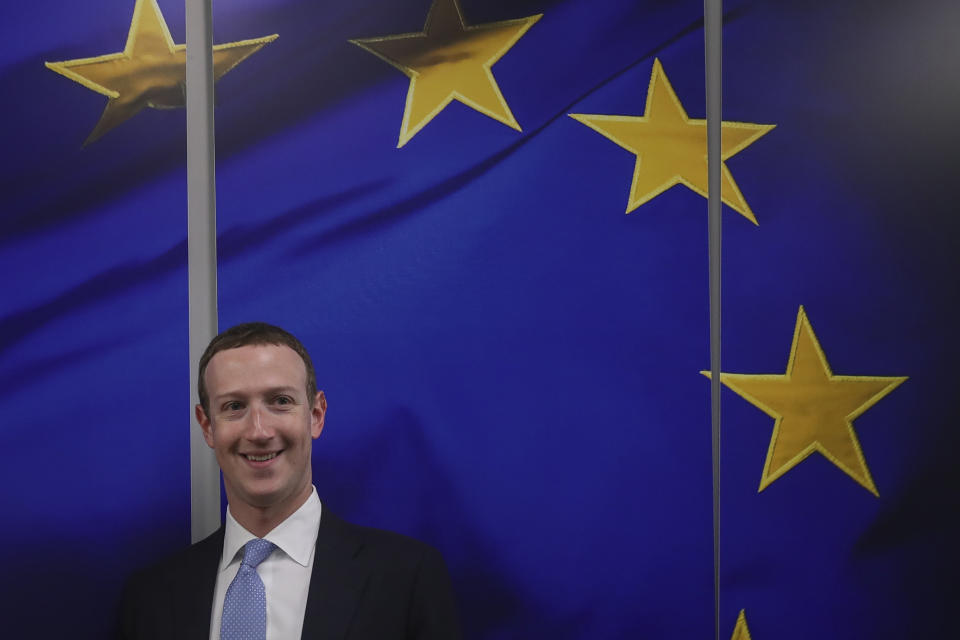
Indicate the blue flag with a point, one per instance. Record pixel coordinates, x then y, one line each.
511 363
839 487
432 196
93 353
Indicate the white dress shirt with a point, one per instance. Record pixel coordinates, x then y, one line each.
285 572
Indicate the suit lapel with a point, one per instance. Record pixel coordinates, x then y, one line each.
193 595
336 582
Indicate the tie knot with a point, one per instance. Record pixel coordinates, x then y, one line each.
256 551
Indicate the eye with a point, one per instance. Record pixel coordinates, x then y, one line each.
233 405
283 400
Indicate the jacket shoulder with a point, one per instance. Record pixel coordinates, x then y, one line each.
198 556
401 587
174 593
379 546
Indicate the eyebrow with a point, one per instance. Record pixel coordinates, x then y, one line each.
267 392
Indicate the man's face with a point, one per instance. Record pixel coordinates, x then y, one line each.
261 425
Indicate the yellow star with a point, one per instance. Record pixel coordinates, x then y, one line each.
814 409
150 71
672 148
741 631
450 61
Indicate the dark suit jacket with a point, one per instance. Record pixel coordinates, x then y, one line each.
366 584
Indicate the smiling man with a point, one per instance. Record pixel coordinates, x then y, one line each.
282 566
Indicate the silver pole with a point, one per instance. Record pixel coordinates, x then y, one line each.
201 253
713 35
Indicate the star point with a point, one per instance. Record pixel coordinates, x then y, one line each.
149 72
450 60
813 408
741 631
671 147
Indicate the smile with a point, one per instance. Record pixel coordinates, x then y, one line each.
260 458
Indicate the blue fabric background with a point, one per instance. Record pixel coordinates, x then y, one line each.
511 362
93 328
856 223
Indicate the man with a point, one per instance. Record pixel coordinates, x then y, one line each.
282 566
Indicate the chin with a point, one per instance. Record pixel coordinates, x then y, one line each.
260 496
267 498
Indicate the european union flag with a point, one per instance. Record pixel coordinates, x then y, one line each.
511 362
431 194
839 481
93 353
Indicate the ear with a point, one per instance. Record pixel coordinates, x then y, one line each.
205 425
318 413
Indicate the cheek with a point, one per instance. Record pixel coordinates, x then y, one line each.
223 438
300 445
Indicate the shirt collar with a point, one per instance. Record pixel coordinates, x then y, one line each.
296 536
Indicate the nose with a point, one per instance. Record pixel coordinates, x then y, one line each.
261 424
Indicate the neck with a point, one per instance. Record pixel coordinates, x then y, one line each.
261 520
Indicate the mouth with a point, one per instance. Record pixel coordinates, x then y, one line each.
261 459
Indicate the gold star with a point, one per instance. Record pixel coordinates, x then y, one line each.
741 631
814 409
450 61
150 71
672 148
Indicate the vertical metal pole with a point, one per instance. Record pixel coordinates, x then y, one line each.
713 32
201 253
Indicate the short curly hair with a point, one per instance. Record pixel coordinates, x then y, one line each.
254 333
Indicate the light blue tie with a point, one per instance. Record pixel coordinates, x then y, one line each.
245 605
